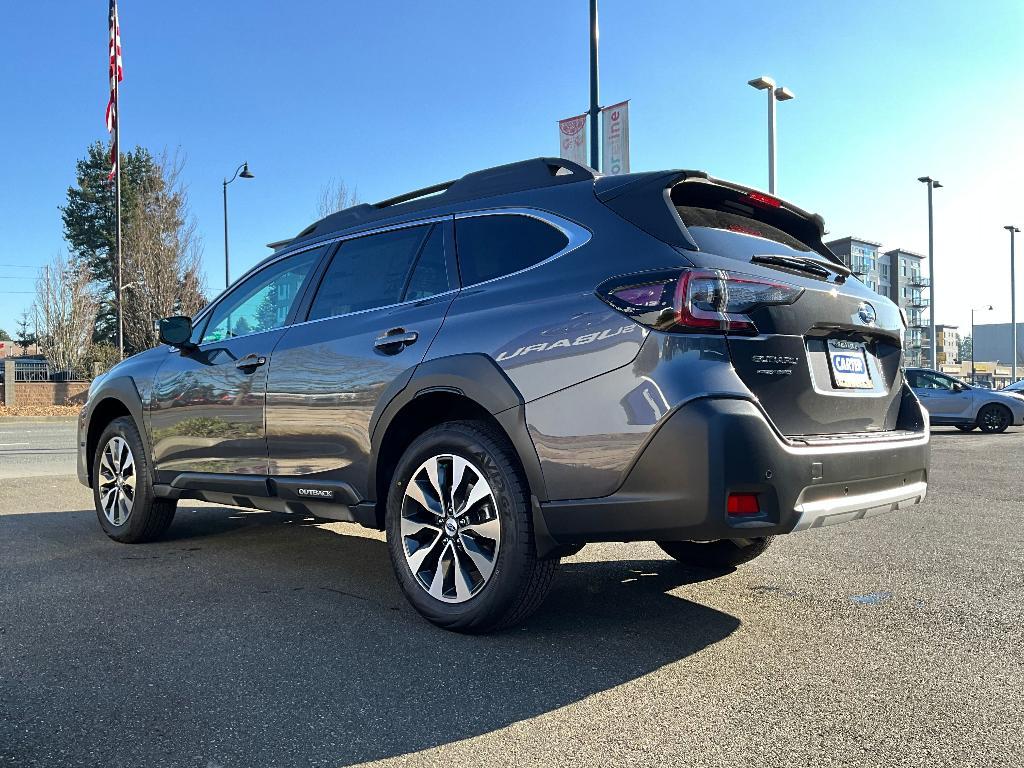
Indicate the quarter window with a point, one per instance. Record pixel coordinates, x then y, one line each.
495 245
261 302
369 272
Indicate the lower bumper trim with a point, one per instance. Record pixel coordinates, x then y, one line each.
822 512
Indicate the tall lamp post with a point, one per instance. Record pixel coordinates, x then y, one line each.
933 184
1013 304
986 308
765 83
245 174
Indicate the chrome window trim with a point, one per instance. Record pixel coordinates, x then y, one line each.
310 246
577 235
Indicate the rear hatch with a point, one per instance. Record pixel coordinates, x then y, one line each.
825 363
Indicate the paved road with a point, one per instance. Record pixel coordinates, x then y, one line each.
36 448
249 639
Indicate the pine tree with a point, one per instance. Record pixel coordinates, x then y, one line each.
24 337
89 222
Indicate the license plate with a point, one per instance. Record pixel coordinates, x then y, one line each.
849 364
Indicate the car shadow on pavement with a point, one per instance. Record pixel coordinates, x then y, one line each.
257 639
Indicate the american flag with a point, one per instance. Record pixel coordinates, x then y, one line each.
116 76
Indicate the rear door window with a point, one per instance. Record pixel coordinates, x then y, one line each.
369 272
493 246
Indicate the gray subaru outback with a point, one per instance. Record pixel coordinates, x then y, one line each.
498 370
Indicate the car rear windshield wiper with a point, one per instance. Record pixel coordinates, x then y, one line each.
812 266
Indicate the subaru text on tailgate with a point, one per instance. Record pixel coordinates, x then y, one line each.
498 370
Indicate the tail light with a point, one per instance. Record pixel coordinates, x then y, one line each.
695 300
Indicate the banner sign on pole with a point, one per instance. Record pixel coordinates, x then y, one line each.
572 133
615 139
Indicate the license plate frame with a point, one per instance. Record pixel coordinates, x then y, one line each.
848 363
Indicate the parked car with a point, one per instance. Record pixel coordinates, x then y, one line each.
1016 388
498 370
952 402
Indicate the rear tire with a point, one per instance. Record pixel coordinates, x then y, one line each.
122 487
994 418
465 555
719 554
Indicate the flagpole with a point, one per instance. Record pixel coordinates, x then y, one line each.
117 181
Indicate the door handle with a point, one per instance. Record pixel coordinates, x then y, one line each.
249 363
395 340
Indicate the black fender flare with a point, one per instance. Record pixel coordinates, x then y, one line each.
476 377
123 390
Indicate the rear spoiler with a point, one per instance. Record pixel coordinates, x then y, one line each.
645 199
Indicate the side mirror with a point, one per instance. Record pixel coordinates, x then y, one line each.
176 331
958 387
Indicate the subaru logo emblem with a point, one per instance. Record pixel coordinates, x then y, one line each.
866 313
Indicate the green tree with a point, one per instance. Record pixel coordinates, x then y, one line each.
90 225
966 345
4 335
24 337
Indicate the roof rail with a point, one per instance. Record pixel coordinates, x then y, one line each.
502 179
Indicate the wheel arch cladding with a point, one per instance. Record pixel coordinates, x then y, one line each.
115 399
470 386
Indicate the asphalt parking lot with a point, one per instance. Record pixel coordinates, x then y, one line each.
254 639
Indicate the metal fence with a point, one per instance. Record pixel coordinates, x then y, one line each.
36 370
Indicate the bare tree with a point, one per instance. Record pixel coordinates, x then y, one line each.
65 313
162 255
336 196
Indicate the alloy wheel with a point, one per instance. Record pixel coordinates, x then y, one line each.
994 420
450 528
117 481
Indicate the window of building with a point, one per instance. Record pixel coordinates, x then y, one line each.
497 245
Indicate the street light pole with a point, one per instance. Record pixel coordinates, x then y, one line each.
765 83
933 184
595 109
245 174
1013 305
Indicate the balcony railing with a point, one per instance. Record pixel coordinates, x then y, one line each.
919 302
919 282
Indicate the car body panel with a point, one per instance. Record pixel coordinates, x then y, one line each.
206 414
326 378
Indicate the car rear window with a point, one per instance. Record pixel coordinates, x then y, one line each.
706 222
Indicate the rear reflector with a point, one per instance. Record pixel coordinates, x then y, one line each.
742 504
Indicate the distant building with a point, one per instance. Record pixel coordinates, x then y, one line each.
909 290
993 341
895 274
948 344
862 256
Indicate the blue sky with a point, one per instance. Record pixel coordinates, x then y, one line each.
390 96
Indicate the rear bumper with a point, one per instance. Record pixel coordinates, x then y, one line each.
708 448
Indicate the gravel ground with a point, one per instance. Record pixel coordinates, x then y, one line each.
253 639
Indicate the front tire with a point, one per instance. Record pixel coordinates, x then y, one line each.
460 530
717 555
122 487
994 418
